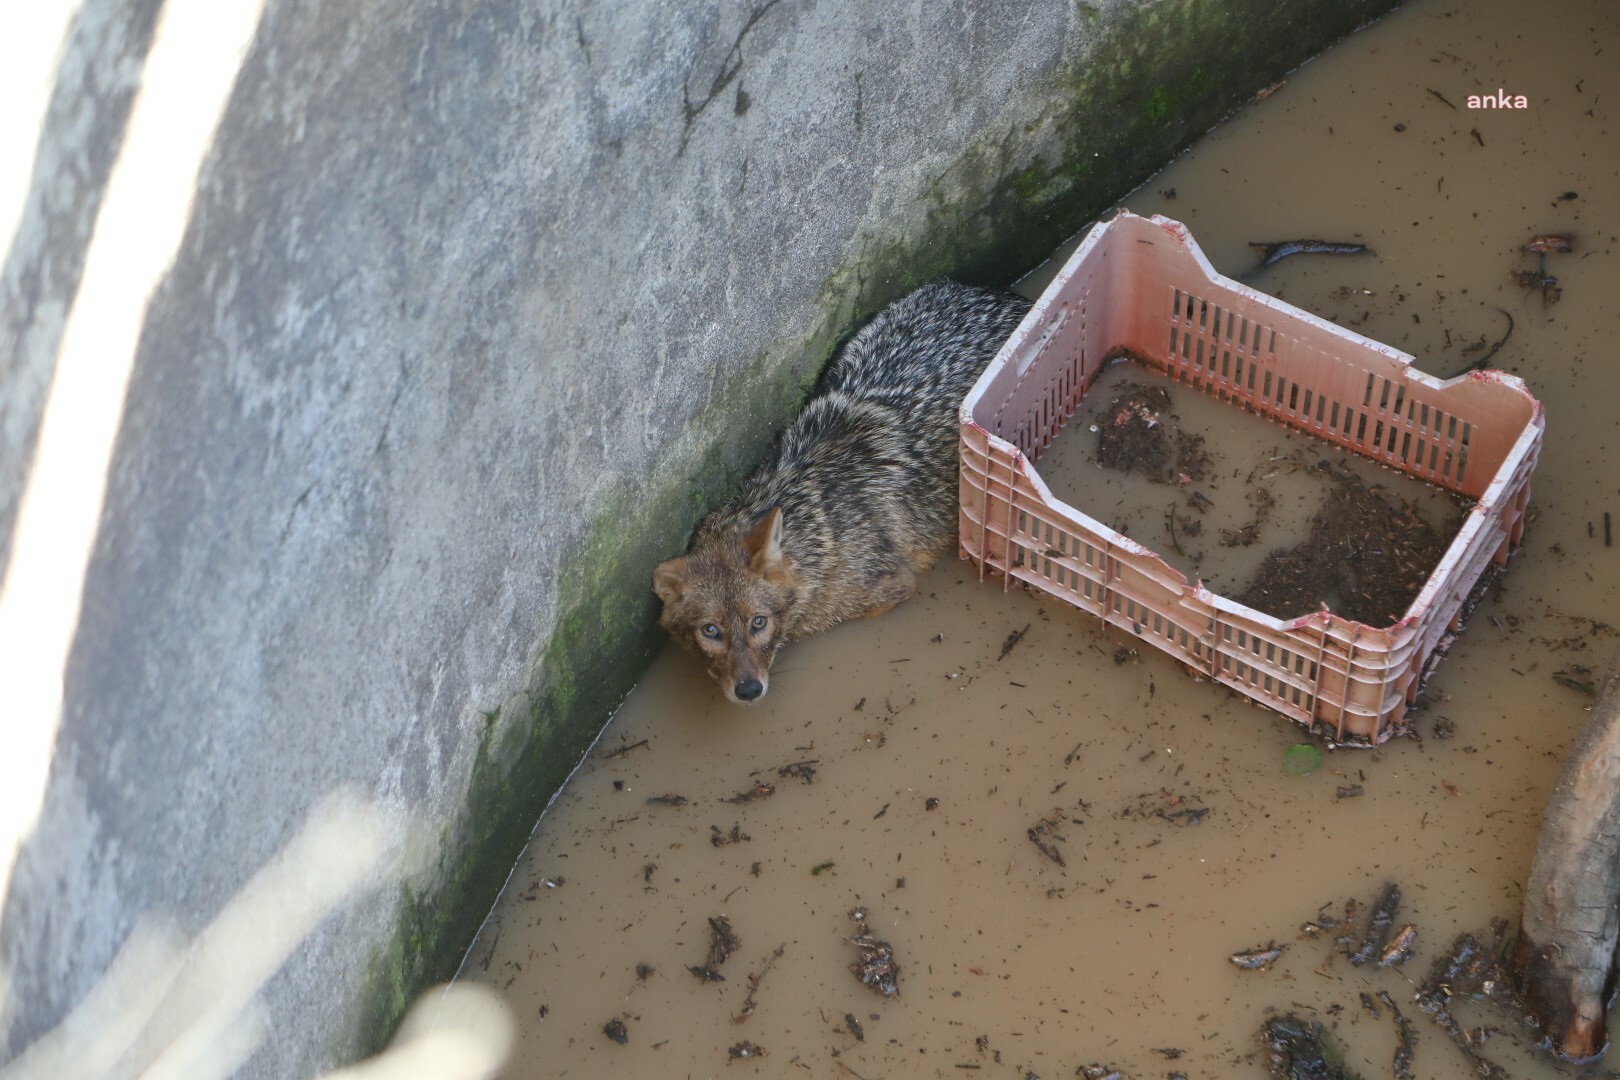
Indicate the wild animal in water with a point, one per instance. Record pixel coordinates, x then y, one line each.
856 499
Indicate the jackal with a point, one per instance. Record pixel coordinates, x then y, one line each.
857 498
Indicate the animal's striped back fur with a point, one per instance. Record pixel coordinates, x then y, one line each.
865 480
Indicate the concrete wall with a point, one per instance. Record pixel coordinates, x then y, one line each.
478 306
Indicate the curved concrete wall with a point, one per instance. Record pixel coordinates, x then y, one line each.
477 307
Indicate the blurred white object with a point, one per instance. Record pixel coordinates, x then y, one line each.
462 1031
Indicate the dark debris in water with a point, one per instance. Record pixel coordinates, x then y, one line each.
723 941
1405 1038
721 839
1561 243
1469 969
760 790
1399 948
1378 925
1259 958
621 751
1320 924
1298 1049
1044 835
875 967
1131 435
745 1050
1177 808
1573 680
615 1030
1012 640
800 770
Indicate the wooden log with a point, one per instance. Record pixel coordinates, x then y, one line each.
1564 960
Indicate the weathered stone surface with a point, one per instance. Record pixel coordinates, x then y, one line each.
480 306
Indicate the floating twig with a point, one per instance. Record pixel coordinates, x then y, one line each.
1405 1037
623 750
1259 958
1399 947
1278 250
753 984
1479 365
1564 678
1013 639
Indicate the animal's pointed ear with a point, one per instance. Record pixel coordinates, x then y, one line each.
669 580
764 544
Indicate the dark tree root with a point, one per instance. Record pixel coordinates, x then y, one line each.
1563 964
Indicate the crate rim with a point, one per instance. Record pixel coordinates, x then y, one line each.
1356 680
1474 521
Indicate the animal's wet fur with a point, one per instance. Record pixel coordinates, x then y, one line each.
857 498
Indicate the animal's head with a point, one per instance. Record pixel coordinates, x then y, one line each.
726 601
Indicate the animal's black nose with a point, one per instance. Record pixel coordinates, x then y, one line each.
749 689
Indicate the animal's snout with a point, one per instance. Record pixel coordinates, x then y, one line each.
749 689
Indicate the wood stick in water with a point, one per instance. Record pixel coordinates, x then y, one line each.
1277 250
1564 957
1405 1038
1378 924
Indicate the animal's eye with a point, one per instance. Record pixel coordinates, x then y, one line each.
759 622
711 631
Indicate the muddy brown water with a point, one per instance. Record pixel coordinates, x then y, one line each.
1009 963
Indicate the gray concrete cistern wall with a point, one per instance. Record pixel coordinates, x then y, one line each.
334 460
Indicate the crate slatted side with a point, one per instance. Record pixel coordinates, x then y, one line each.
1248 353
1257 353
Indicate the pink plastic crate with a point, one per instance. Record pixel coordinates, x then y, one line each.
1142 286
